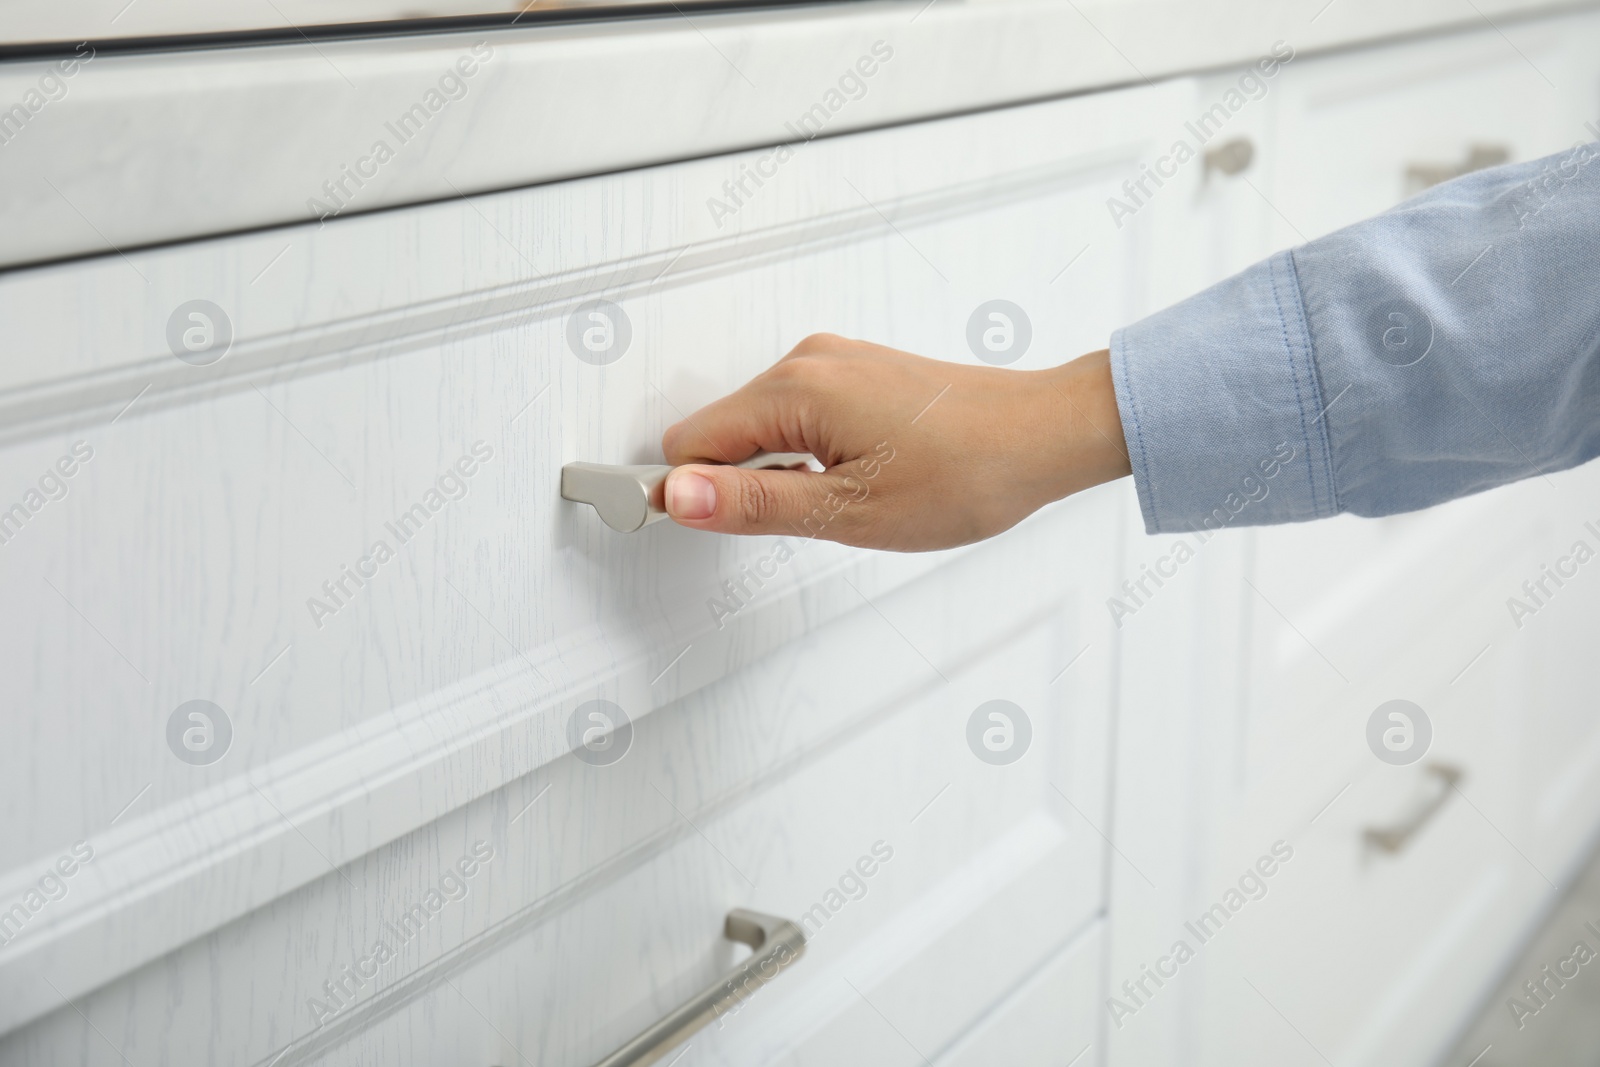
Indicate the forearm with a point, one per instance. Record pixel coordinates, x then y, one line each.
1446 347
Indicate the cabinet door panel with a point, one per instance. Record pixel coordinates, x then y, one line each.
1376 957
1358 133
416 380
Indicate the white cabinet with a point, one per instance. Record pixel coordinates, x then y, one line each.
1352 953
308 477
345 535
1357 133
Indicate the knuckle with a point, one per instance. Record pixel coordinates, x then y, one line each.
756 502
821 342
799 380
789 372
672 438
808 373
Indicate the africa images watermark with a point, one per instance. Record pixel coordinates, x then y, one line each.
452 485
51 87
344 987
851 86
1252 885
352 178
1137 593
53 486
737 594
1543 989
1527 200
1251 86
852 886
1537 592
51 886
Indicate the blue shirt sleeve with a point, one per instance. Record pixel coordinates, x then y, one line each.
1442 348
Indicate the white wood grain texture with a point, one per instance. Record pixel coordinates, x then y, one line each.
180 562
147 148
1060 1000
602 905
505 259
1376 959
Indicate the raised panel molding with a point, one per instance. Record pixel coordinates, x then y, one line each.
36 403
346 296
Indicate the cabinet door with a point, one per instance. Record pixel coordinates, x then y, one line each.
1369 948
306 653
1360 132
1181 679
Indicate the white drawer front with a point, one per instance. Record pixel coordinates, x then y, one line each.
1376 957
604 887
407 380
1358 133
1255 731
977 872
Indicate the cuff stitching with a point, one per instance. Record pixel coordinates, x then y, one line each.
1122 368
1324 435
1289 348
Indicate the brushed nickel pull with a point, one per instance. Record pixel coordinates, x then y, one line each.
1392 839
1230 157
777 943
629 498
1420 176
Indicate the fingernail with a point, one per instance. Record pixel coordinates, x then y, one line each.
690 496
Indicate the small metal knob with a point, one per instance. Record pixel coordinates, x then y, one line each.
1420 176
1392 839
1230 157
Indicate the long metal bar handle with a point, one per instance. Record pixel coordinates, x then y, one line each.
777 943
1394 838
629 498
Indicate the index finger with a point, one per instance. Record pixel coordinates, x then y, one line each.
760 417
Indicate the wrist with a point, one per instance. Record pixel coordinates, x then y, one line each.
1089 446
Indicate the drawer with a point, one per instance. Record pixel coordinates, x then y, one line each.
1370 955
1353 610
1353 954
600 904
1337 604
1363 956
1535 614
1050 1020
1377 957
407 378
1359 132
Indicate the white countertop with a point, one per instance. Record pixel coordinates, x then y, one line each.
140 149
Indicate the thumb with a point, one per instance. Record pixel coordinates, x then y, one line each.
726 499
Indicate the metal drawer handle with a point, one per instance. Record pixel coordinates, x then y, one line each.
629 498
1420 176
1394 838
777 943
1230 157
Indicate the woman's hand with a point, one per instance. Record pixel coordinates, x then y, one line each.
920 454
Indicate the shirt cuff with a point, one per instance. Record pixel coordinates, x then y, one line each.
1222 409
